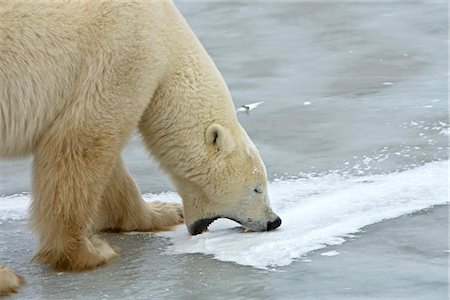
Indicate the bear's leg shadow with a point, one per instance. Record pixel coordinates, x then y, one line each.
71 167
10 282
123 209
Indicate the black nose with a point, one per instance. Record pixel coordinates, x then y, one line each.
274 224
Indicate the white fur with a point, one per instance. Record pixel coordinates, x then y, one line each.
75 79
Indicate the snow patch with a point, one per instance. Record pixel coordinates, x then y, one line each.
330 253
316 212
251 106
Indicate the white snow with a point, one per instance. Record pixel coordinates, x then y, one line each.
445 131
316 212
330 253
13 207
251 106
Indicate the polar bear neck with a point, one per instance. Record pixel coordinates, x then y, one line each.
190 97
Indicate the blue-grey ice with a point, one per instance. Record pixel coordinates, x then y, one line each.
354 134
316 212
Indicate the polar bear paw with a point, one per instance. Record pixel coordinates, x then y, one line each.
164 215
10 282
85 254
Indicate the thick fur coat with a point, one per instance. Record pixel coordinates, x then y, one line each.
76 78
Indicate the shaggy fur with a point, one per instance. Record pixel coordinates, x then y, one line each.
9 281
75 79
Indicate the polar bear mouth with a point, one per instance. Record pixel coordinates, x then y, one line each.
201 225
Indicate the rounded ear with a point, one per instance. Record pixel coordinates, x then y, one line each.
220 136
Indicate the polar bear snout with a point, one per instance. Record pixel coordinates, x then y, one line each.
273 225
261 225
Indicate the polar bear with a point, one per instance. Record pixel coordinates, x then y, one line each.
76 79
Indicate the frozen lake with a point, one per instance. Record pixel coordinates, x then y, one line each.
353 129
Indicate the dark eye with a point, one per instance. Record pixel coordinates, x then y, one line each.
257 190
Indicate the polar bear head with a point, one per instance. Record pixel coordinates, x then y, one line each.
191 127
233 186
215 168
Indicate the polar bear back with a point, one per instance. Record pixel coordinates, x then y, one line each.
51 54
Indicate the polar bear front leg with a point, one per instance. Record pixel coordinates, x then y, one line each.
10 282
70 171
123 209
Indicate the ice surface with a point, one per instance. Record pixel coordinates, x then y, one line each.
335 56
316 212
